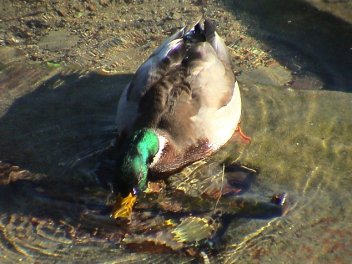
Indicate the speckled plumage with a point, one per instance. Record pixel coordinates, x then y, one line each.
187 93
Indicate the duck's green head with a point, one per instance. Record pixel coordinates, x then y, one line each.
132 165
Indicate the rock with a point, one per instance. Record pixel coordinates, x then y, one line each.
10 173
58 40
275 75
91 7
307 81
36 23
61 11
104 3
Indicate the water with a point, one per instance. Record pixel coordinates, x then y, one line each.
303 149
53 119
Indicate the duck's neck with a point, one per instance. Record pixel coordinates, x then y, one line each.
143 146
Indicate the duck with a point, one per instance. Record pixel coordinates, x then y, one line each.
181 106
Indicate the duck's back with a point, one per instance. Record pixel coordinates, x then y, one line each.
186 91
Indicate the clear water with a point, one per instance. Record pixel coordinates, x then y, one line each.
51 119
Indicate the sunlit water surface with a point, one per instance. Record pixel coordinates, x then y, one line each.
53 120
301 144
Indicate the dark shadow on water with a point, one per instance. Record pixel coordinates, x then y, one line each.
43 132
65 116
308 41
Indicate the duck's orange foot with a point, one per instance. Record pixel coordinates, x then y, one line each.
123 206
240 136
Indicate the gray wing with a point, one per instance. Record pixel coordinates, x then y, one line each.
182 76
149 73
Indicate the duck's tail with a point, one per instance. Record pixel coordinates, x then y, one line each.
200 34
215 41
207 33
190 35
209 30
196 34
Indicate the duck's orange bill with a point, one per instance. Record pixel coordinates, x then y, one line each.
123 206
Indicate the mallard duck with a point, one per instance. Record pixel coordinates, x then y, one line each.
182 105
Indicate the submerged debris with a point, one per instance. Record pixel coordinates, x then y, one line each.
170 220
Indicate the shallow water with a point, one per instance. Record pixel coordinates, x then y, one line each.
300 144
303 147
53 119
